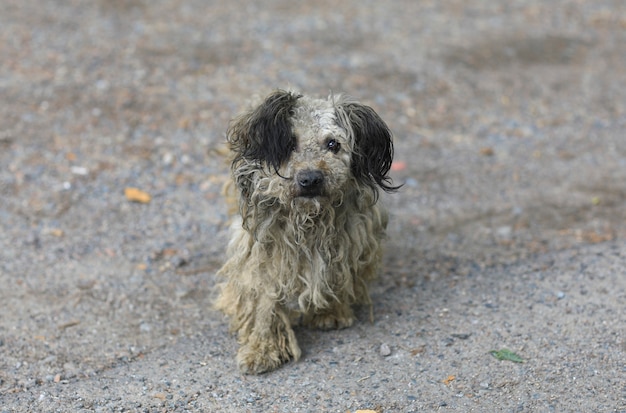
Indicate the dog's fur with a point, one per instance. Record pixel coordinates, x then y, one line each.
307 172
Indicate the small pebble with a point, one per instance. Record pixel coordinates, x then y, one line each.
79 170
504 232
385 350
168 158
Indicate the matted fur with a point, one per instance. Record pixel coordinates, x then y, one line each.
307 173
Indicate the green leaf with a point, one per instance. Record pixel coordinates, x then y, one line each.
506 354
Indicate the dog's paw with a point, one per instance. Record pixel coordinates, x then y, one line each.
330 321
263 356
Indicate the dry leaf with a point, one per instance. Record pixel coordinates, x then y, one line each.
221 150
398 166
506 354
184 123
487 151
68 324
137 195
595 237
449 379
418 350
56 232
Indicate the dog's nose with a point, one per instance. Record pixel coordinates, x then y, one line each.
310 179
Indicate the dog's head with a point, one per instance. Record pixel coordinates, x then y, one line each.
296 147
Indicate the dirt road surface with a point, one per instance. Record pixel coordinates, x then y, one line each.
509 232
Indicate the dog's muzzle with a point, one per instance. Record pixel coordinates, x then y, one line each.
310 183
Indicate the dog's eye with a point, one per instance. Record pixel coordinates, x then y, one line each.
333 145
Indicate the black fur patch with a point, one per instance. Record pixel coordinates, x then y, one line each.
373 147
265 134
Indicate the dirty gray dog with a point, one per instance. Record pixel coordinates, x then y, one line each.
307 174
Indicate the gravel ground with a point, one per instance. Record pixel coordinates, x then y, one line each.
509 232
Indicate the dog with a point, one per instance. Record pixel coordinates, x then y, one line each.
308 241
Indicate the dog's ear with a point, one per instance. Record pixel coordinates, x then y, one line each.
373 145
264 135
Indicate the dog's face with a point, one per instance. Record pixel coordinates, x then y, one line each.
292 147
318 164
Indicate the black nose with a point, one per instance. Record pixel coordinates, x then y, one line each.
310 180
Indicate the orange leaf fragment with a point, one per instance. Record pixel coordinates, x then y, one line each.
137 195
56 232
449 380
398 166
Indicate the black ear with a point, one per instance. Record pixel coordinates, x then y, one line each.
264 135
373 145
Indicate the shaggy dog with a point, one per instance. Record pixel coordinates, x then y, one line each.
307 173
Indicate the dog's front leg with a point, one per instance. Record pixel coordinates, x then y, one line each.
269 341
337 316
